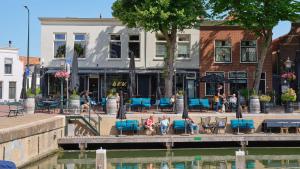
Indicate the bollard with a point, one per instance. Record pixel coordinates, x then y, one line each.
101 159
240 160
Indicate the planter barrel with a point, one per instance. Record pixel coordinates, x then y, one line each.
75 104
179 105
254 105
29 105
111 106
265 107
288 108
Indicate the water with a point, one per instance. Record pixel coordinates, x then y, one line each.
257 158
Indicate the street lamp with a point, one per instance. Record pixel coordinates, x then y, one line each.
288 63
28 30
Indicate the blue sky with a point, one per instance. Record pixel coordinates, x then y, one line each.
13 17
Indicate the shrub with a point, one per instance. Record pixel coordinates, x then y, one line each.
289 96
74 95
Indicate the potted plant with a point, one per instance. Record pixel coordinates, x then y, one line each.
74 100
111 102
29 102
288 97
254 104
179 101
264 100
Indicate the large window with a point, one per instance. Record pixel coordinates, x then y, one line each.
248 51
12 90
222 51
115 46
211 88
80 45
238 81
183 46
262 84
161 46
60 45
134 46
1 90
8 65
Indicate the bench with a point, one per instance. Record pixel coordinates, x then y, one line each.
140 103
15 108
179 125
242 124
198 103
128 126
284 124
165 103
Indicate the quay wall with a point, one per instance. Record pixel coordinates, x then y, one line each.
107 125
26 143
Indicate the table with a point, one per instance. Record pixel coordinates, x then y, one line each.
280 123
48 104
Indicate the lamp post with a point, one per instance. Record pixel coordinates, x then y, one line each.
28 30
288 64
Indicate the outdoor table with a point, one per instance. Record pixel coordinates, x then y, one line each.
48 104
280 123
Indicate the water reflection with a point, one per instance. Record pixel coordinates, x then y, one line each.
176 159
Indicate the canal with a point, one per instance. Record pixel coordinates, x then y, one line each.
259 158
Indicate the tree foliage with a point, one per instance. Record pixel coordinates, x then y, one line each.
165 16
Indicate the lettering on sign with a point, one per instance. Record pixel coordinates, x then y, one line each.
119 84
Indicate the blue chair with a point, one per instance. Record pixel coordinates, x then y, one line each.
242 124
39 105
146 103
204 103
165 103
180 165
127 125
194 103
179 125
127 166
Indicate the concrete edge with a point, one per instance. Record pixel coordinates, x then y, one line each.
37 158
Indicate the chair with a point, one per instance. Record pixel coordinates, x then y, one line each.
158 126
15 108
54 105
204 103
205 123
165 103
39 105
136 103
146 103
220 124
146 129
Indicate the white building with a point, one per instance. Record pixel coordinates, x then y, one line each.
11 71
107 44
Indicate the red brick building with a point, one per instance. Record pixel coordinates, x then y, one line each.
231 52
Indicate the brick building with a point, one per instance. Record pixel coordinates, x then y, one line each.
231 52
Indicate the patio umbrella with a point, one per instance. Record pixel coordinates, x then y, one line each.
185 113
132 87
158 91
121 112
238 111
23 91
74 73
33 79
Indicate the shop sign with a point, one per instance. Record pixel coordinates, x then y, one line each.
119 84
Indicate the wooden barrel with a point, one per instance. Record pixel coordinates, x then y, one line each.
111 105
179 105
29 105
74 105
254 104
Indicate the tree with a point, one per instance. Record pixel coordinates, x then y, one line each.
258 16
164 16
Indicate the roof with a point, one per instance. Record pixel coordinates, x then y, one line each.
215 23
32 60
73 19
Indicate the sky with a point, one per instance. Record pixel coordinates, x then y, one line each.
13 19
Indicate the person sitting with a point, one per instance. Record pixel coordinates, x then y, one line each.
191 125
164 125
86 102
149 124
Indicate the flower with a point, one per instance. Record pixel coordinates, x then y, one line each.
289 95
289 76
62 74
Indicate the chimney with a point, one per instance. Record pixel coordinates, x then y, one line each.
9 43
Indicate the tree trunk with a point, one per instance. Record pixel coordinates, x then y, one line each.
266 43
169 63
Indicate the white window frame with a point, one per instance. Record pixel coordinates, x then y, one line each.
139 41
256 52
215 72
159 41
236 78
9 90
12 62
184 42
85 42
54 40
109 58
225 47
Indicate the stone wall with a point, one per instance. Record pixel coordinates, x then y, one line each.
26 143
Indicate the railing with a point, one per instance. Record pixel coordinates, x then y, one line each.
93 128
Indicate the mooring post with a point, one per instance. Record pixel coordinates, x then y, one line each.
243 145
240 159
101 159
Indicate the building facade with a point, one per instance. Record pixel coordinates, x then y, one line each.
232 53
33 61
11 71
104 47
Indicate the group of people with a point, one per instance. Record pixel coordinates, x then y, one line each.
164 124
221 102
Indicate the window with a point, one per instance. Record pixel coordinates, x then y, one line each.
60 45
161 46
183 46
12 90
211 88
262 84
80 45
134 46
1 90
222 51
237 81
8 65
115 46
248 51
